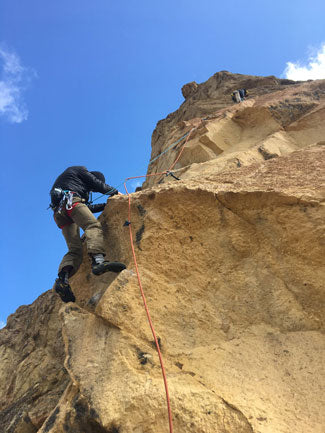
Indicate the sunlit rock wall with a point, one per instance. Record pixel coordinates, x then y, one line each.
231 259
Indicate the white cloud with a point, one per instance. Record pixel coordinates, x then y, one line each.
135 183
314 70
2 324
13 81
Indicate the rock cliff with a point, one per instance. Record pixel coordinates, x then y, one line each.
231 258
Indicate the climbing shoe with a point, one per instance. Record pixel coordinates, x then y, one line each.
64 291
101 268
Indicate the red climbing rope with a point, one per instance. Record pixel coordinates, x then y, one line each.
182 148
179 153
139 279
147 309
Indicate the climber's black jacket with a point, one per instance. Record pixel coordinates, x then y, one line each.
81 181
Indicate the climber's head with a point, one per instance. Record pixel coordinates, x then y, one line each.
99 175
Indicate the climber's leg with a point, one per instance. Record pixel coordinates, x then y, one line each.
73 258
85 219
62 286
100 265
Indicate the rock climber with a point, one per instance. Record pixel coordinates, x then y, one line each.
235 96
69 201
239 95
243 94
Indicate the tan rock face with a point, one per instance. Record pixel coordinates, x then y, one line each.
278 117
31 368
189 89
231 259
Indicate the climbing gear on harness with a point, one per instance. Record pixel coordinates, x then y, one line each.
68 198
56 197
99 265
61 197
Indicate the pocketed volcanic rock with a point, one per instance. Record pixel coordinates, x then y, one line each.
231 260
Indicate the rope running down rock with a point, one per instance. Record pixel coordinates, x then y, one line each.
139 279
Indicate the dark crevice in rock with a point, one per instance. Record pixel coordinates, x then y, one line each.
239 412
50 422
141 210
139 235
82 418
267 155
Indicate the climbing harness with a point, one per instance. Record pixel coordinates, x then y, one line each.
63 197
68 199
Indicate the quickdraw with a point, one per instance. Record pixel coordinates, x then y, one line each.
66 199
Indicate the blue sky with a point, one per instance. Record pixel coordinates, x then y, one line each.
84 83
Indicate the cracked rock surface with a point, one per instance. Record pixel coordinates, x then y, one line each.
231 259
